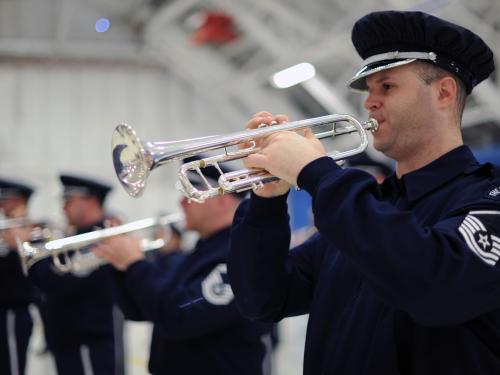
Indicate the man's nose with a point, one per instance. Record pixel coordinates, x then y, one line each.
372 102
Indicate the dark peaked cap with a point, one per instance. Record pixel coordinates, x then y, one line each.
12 189
79 185
391 38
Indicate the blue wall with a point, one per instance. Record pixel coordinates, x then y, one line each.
491 154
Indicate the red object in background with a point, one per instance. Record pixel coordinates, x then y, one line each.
217 28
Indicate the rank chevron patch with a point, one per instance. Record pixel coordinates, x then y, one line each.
474 230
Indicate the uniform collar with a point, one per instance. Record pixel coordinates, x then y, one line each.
213 239
422 181
96 226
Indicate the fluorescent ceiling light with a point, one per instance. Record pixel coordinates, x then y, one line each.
293 75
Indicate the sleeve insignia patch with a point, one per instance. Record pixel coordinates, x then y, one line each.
475 229
213 288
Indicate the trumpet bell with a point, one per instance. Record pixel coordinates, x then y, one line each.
130 160
27 253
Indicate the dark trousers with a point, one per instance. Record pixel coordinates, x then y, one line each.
15 331
98 357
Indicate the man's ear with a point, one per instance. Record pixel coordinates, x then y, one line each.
92 199
446 92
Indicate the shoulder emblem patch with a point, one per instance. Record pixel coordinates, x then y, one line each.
494 193
476 233
213 288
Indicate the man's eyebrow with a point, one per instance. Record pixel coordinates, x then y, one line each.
383 78
380 79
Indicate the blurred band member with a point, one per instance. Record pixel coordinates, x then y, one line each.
84 325
197 329
172 236
15 289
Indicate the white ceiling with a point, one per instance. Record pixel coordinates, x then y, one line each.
274 34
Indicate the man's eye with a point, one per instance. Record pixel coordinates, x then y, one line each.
386 86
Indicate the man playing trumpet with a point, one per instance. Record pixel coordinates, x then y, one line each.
16 292
197 329
402 277
84 324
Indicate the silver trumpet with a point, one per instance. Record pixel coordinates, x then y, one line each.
134 159
38 231
16 222
81 263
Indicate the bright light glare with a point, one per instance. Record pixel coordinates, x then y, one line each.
102 25
293 75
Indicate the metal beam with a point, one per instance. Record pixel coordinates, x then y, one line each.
24 47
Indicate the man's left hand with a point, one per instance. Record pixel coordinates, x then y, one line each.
120 251
284 154
10 236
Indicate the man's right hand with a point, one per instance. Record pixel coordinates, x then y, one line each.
279 187
10 236
120 251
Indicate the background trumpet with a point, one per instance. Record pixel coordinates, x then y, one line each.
15 222
36 232
74 260
133 159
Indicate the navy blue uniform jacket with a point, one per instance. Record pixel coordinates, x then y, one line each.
79 308
197 328
15 287
402 278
